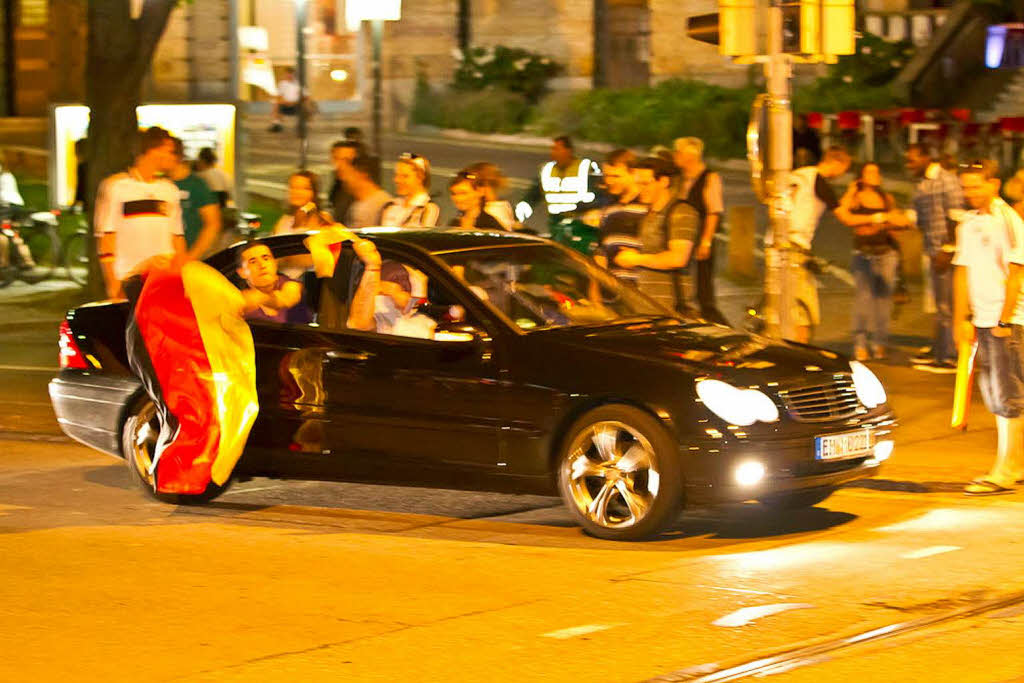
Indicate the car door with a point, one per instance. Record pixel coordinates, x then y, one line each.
416 402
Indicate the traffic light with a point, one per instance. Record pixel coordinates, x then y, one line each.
809 27
733 28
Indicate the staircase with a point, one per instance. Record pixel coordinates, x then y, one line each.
1009 102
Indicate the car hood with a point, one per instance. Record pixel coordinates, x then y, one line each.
708 350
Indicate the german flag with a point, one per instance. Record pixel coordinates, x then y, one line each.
193 351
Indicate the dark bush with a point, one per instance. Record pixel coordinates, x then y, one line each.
481 111
512 69
657 115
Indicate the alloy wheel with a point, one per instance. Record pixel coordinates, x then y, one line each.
143 442
612 474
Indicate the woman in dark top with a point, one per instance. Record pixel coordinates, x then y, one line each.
468 198
875 263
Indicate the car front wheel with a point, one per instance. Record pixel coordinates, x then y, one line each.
619 473
138 443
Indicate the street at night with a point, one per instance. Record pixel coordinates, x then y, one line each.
643 341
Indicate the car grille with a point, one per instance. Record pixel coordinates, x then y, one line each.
822 402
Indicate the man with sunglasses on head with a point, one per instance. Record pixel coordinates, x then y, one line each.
988 310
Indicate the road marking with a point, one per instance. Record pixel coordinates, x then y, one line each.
747 615
741 590
27 368
579 631
928 552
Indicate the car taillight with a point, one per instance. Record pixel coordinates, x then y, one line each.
70 355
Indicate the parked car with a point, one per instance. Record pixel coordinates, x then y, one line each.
543 374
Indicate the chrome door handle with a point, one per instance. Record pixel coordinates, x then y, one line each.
358 356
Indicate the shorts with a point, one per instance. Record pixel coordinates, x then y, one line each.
999 367
289 109
805 308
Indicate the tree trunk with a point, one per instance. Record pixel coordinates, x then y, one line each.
119 54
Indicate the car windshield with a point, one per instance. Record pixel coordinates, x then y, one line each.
543 286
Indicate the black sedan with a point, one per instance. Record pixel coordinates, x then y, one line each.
535 371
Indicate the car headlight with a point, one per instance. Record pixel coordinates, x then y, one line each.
869 389
736 406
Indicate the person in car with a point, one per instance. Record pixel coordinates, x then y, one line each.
270 295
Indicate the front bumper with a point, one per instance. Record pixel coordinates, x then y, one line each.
789 463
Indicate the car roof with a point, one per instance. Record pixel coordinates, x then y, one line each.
433 241
441 240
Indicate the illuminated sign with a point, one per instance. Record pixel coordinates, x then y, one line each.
198 126
1004 46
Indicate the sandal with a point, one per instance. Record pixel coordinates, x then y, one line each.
984 487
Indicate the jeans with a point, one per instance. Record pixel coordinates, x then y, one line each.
999 367
942 287
875 279
706 289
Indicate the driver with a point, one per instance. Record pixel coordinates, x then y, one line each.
395 309
270 295
384 301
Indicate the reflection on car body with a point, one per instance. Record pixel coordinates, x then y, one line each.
543 374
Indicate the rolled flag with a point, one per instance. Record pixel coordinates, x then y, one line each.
964 380
194 353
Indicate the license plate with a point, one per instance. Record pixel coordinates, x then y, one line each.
843 446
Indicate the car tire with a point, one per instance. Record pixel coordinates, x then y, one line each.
797 500
620 474
138 439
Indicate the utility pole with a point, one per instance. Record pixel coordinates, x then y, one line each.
806 31
300 72
779 289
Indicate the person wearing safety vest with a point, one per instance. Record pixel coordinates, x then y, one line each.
565 184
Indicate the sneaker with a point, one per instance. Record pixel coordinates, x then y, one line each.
275 128
944 367
861 353
924 356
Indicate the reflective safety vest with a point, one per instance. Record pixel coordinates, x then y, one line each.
565 193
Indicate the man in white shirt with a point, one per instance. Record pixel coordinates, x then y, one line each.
138 215
988 310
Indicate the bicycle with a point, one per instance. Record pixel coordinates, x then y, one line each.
74 249
29 246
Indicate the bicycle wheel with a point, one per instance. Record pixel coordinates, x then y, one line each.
76 258
42 244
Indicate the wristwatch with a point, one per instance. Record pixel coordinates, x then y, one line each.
1004 324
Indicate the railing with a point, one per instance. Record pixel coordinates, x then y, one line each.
917 26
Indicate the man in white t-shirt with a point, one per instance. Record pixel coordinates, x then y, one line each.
988 310
138 215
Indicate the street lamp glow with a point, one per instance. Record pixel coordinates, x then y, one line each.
357 11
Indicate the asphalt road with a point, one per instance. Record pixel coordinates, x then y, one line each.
897 578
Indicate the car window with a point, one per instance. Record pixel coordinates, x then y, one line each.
543 286
411 304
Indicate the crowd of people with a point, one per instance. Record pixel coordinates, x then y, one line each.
654 216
